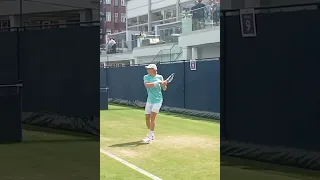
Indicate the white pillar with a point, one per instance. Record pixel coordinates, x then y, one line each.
189 53
186 25
194 53
178 10
149 16
14 21
139 42
186 53
133 62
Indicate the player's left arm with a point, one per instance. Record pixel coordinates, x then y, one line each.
164 85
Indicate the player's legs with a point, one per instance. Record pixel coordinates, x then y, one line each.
153 117
148 109
148 120
151 111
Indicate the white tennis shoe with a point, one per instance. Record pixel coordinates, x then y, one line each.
147 140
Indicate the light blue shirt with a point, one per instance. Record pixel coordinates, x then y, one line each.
155 92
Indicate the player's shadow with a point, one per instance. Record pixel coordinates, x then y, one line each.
129 144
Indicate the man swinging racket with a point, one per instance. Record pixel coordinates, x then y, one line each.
154 84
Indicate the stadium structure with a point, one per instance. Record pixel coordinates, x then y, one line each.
47 13
161 31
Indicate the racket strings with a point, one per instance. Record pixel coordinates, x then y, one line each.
170 78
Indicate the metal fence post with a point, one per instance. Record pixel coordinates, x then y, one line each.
184 84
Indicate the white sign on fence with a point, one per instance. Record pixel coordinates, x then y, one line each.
193 65
248 23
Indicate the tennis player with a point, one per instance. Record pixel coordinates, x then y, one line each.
154 84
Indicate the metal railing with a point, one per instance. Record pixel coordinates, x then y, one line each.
178 57
169 34
161 36
118 47
160 56
166 55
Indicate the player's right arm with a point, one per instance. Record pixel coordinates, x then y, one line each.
147 84
150 84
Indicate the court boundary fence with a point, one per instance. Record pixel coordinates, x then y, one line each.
140 104
184 92
49 97
272 152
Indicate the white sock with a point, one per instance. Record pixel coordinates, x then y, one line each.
151 133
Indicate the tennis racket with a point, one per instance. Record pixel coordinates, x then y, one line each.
170 78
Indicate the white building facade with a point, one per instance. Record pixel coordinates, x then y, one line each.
169 34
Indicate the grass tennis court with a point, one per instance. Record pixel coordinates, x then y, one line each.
49 156
112 169
185 147
234 168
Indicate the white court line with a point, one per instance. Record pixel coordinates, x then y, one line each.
130 165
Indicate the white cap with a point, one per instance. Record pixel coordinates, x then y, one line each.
152 66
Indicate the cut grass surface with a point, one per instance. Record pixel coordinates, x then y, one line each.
50 156
185 147
111 169
235 168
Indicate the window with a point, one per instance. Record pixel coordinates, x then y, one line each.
108 1
140 20
108 16
186 6
108 31
96 15
133 21
116 2
46 25
123 17
169 14
157 16
4 24
27 23
123 3
143 28
116 18
143 19
115 31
